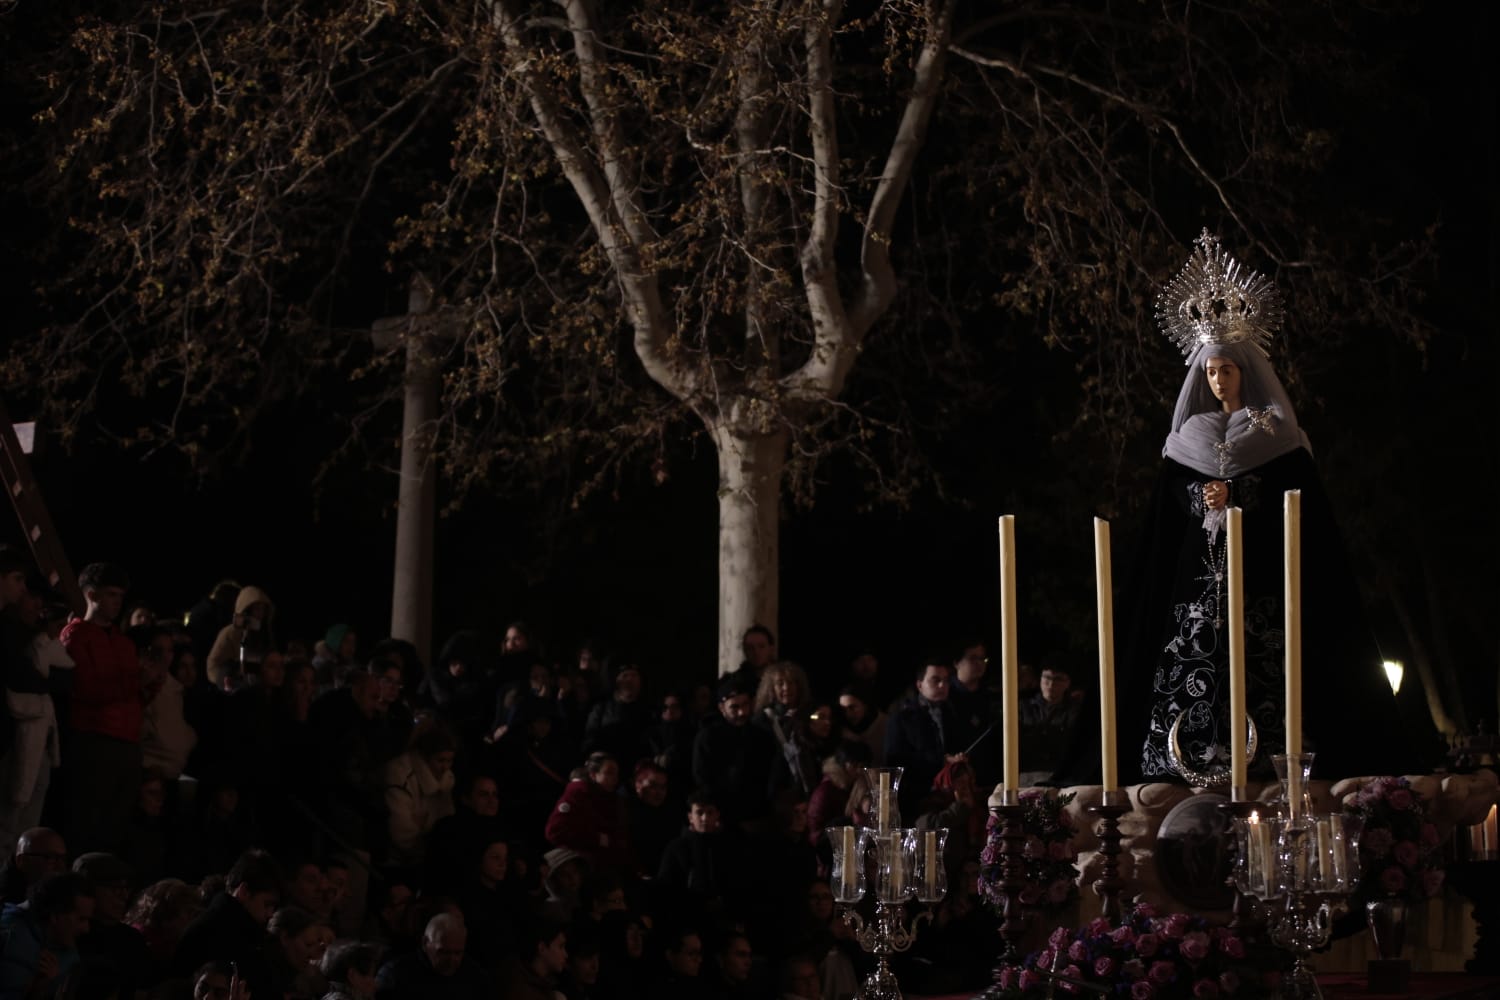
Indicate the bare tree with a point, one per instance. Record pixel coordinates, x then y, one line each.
662 220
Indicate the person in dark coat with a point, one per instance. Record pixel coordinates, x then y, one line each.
732 758
233 927
924 732
440 970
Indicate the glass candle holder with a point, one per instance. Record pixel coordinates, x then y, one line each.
847 877
894 851
1257 856
885 787
931 871
1296 783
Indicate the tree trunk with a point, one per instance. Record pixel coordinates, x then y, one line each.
750 466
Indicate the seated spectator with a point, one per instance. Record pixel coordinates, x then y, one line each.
654 816
732 758
736 970
822 935
566 871
543 960
1047 721
300 939
670 739
350 968
419 790
439 970
109 937
618 725
219 981
702 870
531 764
864 722
800 980
41 935
680 977
590 817
826 806
40 851
622 957
925 731
161 913
232 928
143 842
580 981
492 904
474 824
351 772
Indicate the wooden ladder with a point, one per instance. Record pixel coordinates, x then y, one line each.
46 547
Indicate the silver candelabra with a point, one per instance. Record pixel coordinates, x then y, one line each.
904 864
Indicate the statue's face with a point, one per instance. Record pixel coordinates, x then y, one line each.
1224 379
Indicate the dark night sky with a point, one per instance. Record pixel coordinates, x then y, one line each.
640 572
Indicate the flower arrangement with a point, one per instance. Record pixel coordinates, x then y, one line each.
1399 850
1147 956
1050 858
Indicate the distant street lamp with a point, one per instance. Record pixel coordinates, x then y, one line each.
1394 671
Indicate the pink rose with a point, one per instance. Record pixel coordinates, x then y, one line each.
1176 925
1233 947
1145 910
1058 851
1098 927
1376 843
1045 959
1393 879
1432 882
1029 979
1205 989
1229 982
1406 854
1059 937
1162 973
1147 944
1072 972
1195 946
1400 799
1124 934
1007 978
1079 952
1104 967
1142 990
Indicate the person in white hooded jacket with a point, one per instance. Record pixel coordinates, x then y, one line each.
36 667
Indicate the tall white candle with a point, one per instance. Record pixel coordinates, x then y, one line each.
1253 860
884 808
851 869
1105 598
1010 674
1340 845
1293 600
898 873
931 871
1239 761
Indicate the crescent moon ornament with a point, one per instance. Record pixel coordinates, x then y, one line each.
1213 777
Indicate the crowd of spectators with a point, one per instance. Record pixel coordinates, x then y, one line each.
203 807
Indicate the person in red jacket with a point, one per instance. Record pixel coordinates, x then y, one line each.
590 817
104 717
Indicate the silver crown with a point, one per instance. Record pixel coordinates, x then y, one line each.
1213 300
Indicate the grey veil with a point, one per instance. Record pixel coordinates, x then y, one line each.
1224 445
